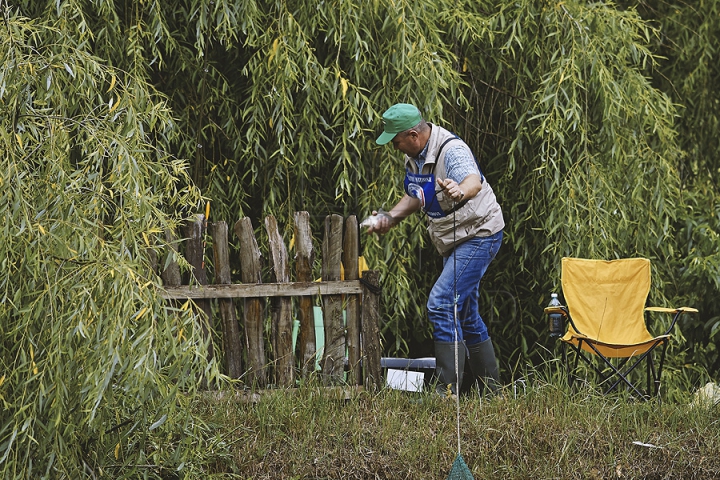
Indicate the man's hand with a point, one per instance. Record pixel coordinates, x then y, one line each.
467 189
452 189
380 222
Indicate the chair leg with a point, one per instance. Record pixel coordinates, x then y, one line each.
650 375
564 357
660 368
566 364
647 357
571 370
623 374
619 371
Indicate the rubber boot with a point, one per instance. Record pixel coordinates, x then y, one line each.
445 367
483 364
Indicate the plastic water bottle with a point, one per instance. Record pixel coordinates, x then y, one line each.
557 325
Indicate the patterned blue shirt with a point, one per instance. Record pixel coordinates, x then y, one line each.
459 163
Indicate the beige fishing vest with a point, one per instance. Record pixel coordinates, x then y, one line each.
480 216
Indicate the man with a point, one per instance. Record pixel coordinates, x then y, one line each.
444 181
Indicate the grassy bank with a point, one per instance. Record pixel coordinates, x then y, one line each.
541 433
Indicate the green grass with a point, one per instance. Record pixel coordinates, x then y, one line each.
544 432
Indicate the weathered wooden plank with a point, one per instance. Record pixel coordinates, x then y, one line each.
304 258
230 327
351 247
371 330
250 272
333 362
281 308
246 290
195 255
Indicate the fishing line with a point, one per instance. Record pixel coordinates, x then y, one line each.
459 470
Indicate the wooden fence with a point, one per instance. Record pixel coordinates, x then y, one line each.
350 306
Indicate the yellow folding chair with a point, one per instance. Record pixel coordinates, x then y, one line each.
605 313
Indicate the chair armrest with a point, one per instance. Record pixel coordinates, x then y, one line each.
676 311
671 310
558 309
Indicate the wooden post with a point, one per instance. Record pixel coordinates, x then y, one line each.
333 362
169 269
251 273
304 258
230 327
195 255
152 258
371 330
352 305
281 308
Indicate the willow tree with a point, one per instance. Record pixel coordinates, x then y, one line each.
95 371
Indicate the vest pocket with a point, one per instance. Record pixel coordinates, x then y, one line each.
448 231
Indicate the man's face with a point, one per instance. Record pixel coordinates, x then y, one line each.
406 142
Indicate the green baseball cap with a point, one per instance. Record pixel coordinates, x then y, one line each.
398 118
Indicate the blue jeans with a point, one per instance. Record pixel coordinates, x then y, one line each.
468 263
